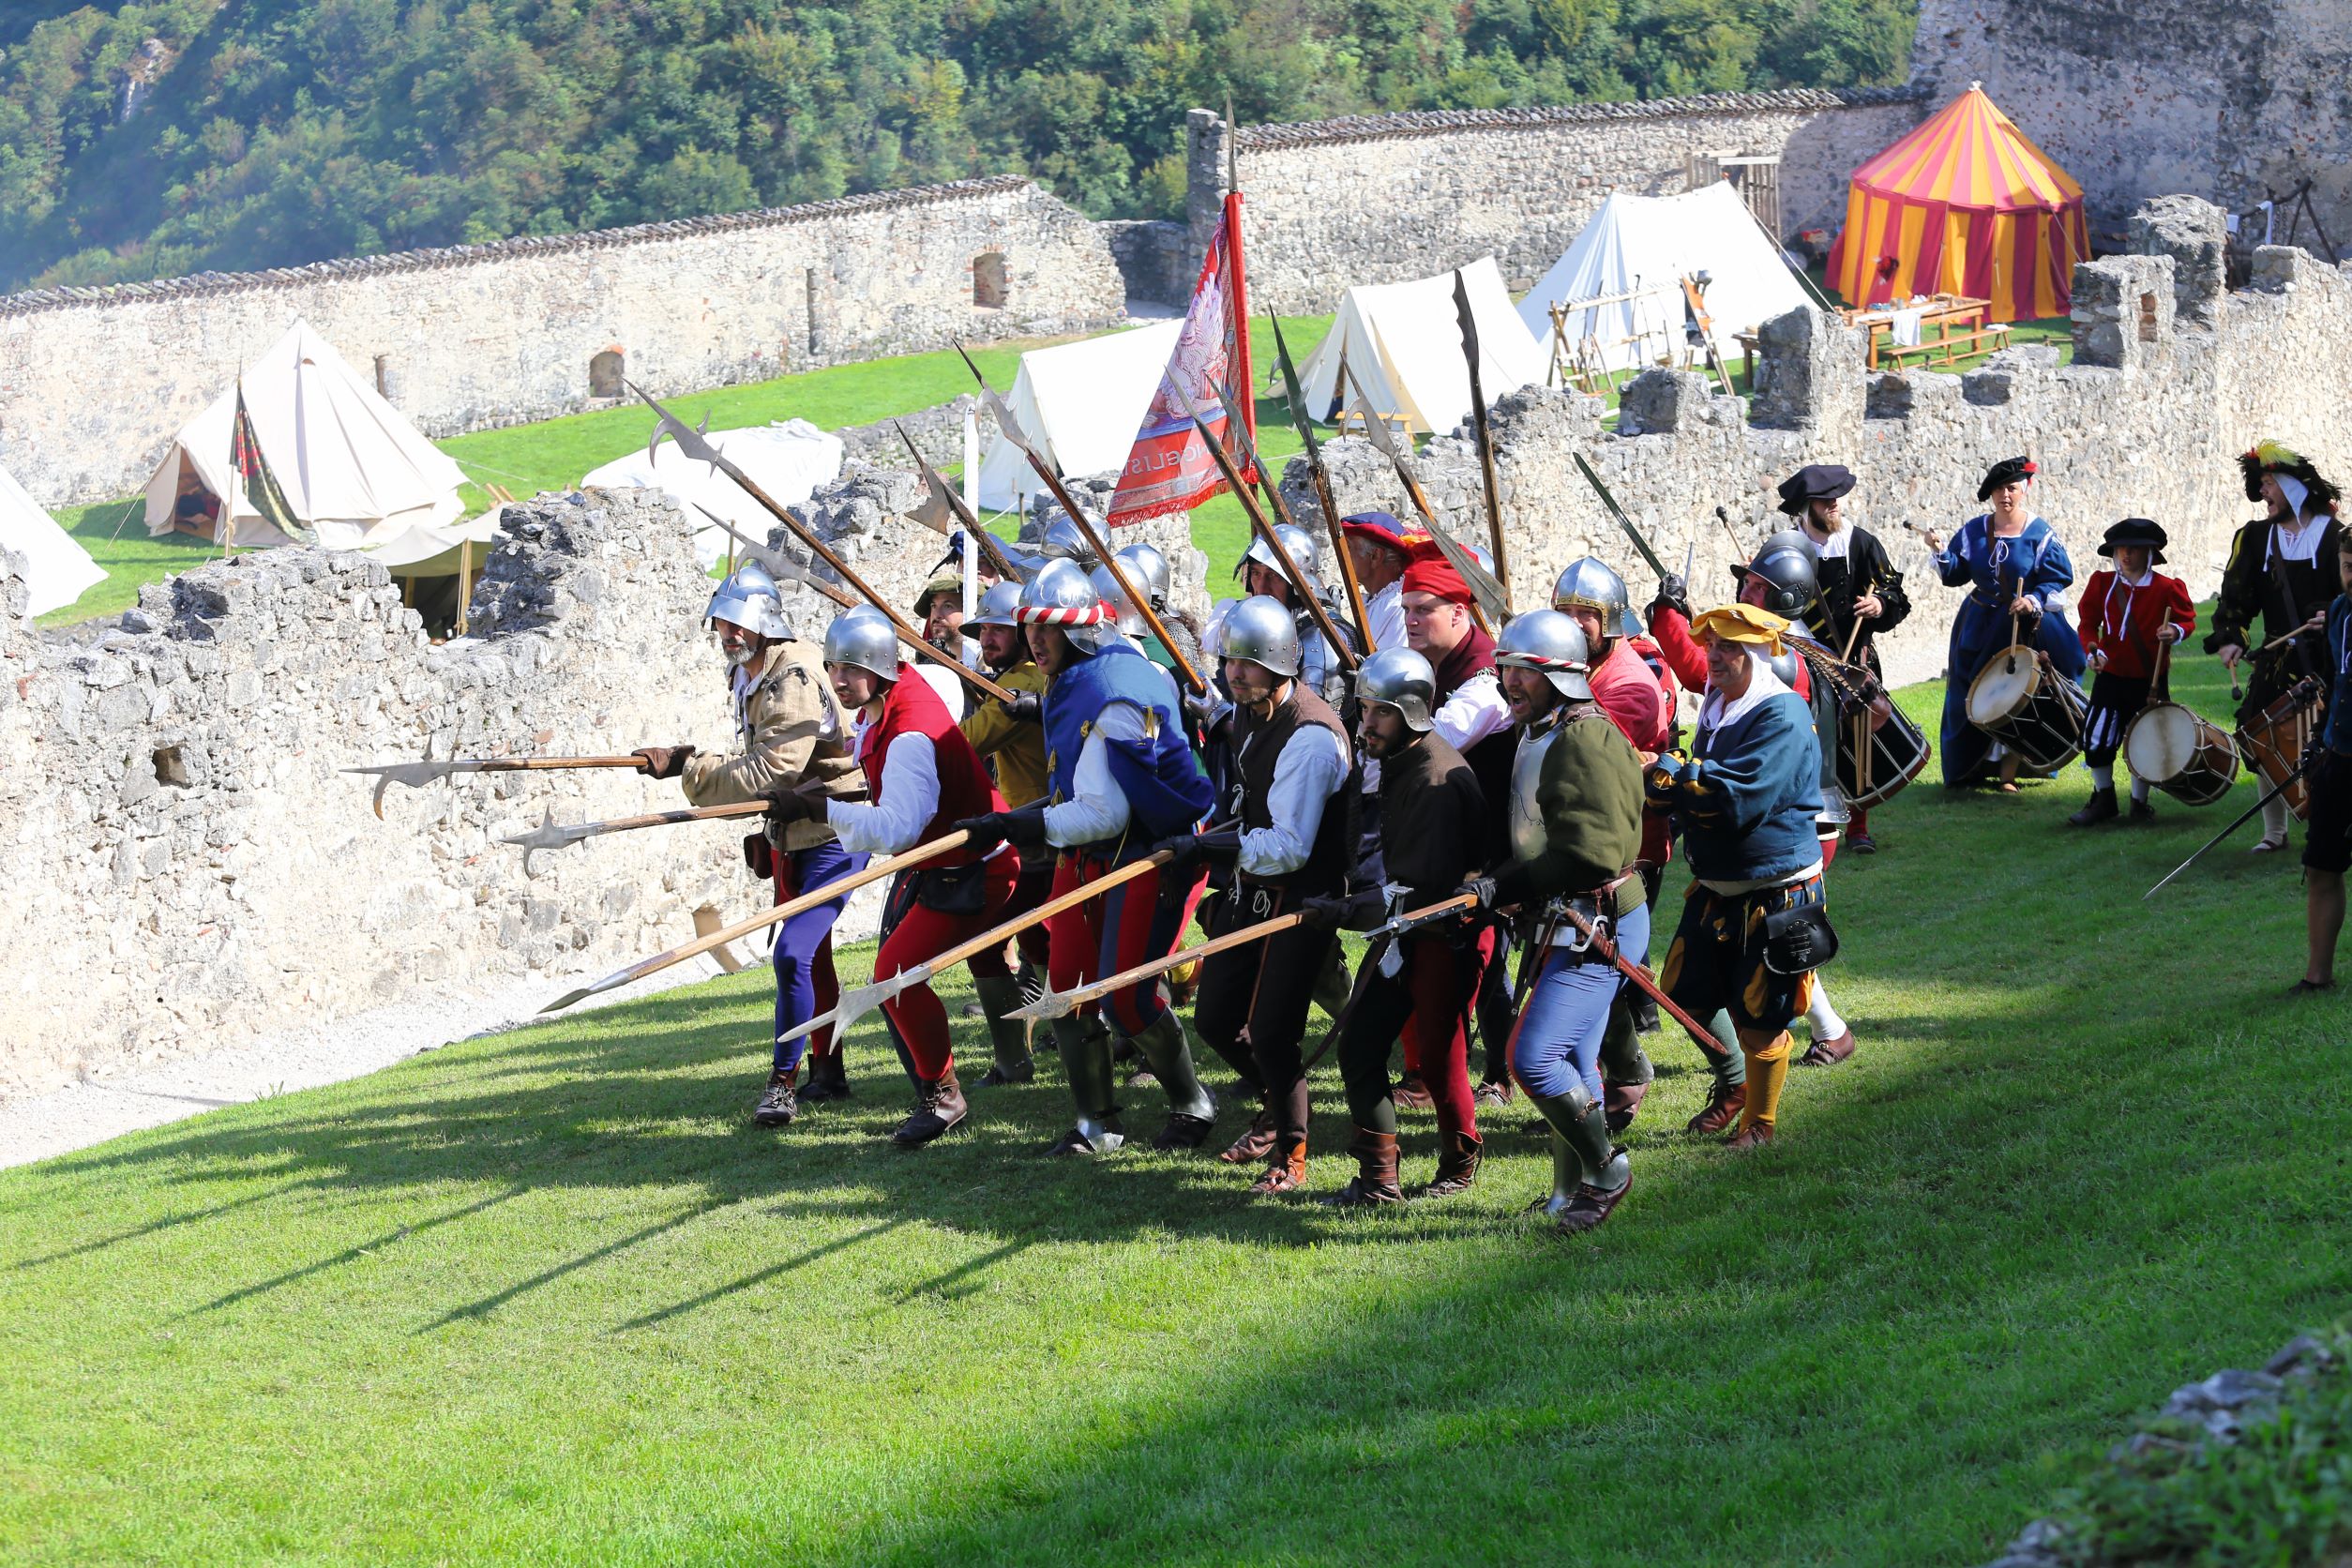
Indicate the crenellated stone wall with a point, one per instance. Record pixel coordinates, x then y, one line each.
480 336
2172 378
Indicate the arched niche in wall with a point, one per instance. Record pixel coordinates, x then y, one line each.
605 372
988 280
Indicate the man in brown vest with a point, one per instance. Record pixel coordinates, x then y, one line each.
1293 779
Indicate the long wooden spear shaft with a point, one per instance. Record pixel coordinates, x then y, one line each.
882 865
1298 580
552 835
1478 427
1304 423
1282 515
1490 607
1134 596
1061 1004
972 531
691 443
856 1003
418 774
1640 977
782 565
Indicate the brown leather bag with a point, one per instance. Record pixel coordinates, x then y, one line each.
759 856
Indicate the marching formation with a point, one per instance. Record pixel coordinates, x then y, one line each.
1106 810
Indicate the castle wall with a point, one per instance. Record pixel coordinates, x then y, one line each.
94 382
1381 199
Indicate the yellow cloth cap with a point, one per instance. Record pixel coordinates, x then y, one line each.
1742 622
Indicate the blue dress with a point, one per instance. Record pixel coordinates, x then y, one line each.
2035 562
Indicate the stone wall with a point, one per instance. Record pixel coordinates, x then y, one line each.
2172 379
94 382
1380 199
2137 98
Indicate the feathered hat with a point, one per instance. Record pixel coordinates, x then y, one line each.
2275 456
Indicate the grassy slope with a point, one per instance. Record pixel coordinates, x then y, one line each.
547 1297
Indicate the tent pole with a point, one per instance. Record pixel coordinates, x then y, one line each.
465 580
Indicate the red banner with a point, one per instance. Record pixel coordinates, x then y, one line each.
1170 468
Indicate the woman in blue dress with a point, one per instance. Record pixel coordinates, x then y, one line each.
2013 568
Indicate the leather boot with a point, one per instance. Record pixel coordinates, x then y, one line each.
1594 1202
1621 1103
939 1105
1256 1142
1410 1093
1009 1038
1828 1053
1192 1109
828 1078
1375 1180
1085 1047
2100 808
2141 811
1458 1165
778 1106
1723 1108
1285 1173
1493 1094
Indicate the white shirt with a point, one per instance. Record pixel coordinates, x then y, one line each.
1473 711
1307 774
1715 713
908 799
1385 610
944 681
1100 810
1832 547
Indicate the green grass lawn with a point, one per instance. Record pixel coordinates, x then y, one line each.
547 1297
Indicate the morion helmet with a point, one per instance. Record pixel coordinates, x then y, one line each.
996 606
1059 596
750 599
1548 642
1300 543
864 639
1790 567
1261 631
1400 679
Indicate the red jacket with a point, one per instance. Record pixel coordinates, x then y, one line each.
965 789
1638 700
2122 621
1688 660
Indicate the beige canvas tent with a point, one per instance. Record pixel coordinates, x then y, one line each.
349 465
1080 405
1403 343
56 569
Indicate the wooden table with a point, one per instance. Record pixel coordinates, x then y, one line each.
1943 314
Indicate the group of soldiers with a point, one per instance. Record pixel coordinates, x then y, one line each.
1492 805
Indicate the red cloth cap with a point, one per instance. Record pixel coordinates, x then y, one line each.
1434 574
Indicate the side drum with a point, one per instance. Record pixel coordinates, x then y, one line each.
2179 753
2273 744
1898 752
2030 708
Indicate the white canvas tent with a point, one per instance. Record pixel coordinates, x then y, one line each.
788 459
56 569
1403 343
348 463
1080 405
1644 246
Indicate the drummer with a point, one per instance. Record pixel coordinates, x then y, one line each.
2281 571
1861 594
2013 565
2130 612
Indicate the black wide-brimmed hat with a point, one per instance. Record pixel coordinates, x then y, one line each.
2136 531
2273 457
2006 471
1816 481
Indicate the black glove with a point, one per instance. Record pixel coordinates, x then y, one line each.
1024 707
1192 848
1673 593
1483 887
662 762
1024 829
1327 912
792 807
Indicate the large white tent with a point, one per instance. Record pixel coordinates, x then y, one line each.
57 569
1080 405
1403 344
788 459
348 464
1643 246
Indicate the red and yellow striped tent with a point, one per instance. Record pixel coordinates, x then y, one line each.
1963 204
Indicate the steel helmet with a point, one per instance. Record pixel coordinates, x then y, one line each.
1260 631
1790 567
750 599
1400 679
1301 544
1123 615
996 606
1063 541
1547 641
1060 595
864 639
1147 568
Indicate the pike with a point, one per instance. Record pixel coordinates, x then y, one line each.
1061 1004
2252 812
879 866
1639 976
943 492
1257 521
1490 604
1616 513
1136 597
1304 424
856 1003
418 774
1387 931
1478 427
780 564
552 835
691 443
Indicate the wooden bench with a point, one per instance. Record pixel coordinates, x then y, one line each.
1952 346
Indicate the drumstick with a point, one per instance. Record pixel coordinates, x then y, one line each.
1724 518
1851 638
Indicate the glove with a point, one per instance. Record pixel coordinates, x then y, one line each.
1024 708
1327 912
1483 887
1024 829
792 807
662 762
1673 593
1190 849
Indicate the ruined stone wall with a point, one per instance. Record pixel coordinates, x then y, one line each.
1380 199
2218 99
94 382
2172 378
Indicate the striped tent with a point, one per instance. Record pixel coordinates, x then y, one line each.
1963 204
